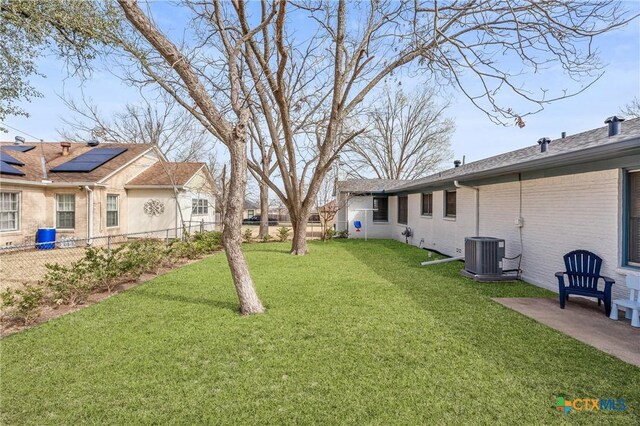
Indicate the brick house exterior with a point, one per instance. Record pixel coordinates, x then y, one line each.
582 193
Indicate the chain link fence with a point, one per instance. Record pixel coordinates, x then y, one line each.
314 229
26 263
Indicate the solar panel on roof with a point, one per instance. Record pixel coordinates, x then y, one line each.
89 161
9 170
19 148
9 159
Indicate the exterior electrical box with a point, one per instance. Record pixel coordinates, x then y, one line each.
483 255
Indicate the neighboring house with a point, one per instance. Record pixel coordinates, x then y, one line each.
85 191
250 209
578 192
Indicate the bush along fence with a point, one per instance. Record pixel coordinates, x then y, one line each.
69 274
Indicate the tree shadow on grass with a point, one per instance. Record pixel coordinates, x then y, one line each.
220 304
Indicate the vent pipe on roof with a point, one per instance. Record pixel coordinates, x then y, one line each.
19 140
66 146
457 163
614 124
93 142
544 144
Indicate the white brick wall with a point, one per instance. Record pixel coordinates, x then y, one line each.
560 214
499 209
567 213
373 229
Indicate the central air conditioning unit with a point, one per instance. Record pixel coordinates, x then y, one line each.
483 258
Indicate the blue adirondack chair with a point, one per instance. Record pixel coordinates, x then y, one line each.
583 274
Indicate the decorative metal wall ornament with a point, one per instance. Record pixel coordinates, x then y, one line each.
153 208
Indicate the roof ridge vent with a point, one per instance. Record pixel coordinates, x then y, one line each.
614 124
93 142
544 144
19 140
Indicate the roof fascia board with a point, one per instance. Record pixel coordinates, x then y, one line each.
178 187
160 154
628 147
49 184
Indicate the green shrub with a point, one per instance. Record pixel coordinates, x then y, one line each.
24 304
247 235
68 284
183 250
328 234
104 268
140 256
207 241
266 238
342 234
283 233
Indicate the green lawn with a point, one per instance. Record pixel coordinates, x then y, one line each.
356 333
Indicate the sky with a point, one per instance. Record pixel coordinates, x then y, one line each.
475 136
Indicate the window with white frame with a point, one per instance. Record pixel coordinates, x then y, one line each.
65 211
9 211
251 213
200 206
113 208
632 218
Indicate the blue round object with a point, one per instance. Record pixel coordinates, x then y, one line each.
357 224
46 238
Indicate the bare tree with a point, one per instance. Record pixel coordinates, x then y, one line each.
408 136
307 88
172 68
632 109
261 153
327 205
306 68
158 121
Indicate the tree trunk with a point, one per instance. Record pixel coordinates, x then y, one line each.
232 234
264 210
299 243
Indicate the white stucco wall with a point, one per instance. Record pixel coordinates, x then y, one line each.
560 214
141 222
197 187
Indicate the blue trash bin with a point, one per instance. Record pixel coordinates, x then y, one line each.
46 238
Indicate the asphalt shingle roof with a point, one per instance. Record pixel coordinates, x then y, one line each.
368 185
165 174
521 158
52 153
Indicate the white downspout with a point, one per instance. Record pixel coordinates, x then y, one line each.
459 185
89 215
178 214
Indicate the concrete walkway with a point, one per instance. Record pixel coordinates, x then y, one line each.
583 320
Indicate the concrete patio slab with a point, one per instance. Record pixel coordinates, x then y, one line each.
583 320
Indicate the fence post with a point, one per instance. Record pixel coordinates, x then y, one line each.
202 225
166 238
109 245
